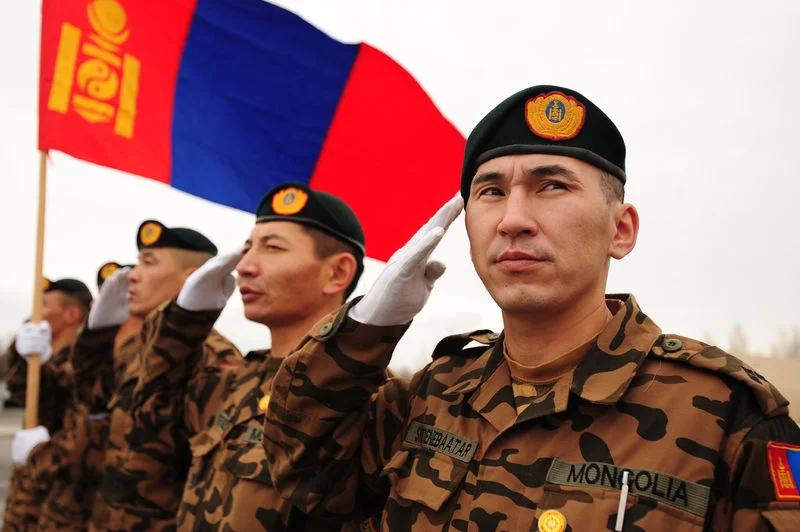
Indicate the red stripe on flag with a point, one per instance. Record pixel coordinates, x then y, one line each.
107 80
389 153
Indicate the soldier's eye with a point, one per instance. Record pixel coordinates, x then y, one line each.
491 191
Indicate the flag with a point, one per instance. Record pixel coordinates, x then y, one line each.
224 99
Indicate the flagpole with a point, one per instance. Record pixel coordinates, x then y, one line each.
32 387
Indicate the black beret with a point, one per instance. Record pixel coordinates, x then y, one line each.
72 287
108 269
154 234
295 202
545 119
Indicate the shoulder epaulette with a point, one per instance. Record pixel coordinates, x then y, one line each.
712 358
451 345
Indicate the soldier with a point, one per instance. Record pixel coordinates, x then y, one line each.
69 464
146 458
65 305
303 259
581 415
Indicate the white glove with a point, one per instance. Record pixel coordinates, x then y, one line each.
34 339
403 287
210 286
111 307
24 441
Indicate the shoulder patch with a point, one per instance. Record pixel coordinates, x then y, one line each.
712 358
450 345
784 470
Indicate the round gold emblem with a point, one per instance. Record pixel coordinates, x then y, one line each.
45 284
108 270
555 115
289 201
150 233
263 403
552 521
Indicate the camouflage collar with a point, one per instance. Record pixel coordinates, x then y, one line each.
601 377
612 362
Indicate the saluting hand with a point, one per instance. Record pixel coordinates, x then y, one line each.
210 286
111 307
403 287
34 339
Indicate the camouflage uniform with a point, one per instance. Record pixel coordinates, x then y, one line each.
26 492
228 486
152 416
690 423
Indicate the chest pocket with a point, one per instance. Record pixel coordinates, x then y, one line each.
587 495
425 477
245 456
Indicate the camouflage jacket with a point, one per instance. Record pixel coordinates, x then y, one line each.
688 422
27 491
160 402
55 385
228 486
68 466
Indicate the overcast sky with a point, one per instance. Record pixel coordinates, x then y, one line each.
703 92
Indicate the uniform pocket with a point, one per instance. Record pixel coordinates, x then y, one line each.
248 461
425 477
586 508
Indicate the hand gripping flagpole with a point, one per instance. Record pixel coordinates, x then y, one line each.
32 387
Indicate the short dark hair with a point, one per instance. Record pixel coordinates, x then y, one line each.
613 188
326 245
82 300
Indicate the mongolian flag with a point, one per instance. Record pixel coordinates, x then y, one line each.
223 99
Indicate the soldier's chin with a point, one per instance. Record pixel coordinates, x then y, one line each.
138 310
255 314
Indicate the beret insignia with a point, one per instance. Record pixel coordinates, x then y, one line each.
150 233
289 201
108 270
45 284
555 116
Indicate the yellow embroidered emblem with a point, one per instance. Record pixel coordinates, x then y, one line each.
552 521
289 201
150 233
94 73
108 270
263 403
555 115
45 284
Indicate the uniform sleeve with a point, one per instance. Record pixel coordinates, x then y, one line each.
750 485
93 361
65 448
173 346
211 382
334 419
17 374
56 379
184 353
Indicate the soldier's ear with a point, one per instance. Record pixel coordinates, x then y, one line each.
625 218
74 315
341 270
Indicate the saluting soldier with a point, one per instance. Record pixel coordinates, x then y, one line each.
146 457
302 260
581 415
69 465
65 305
